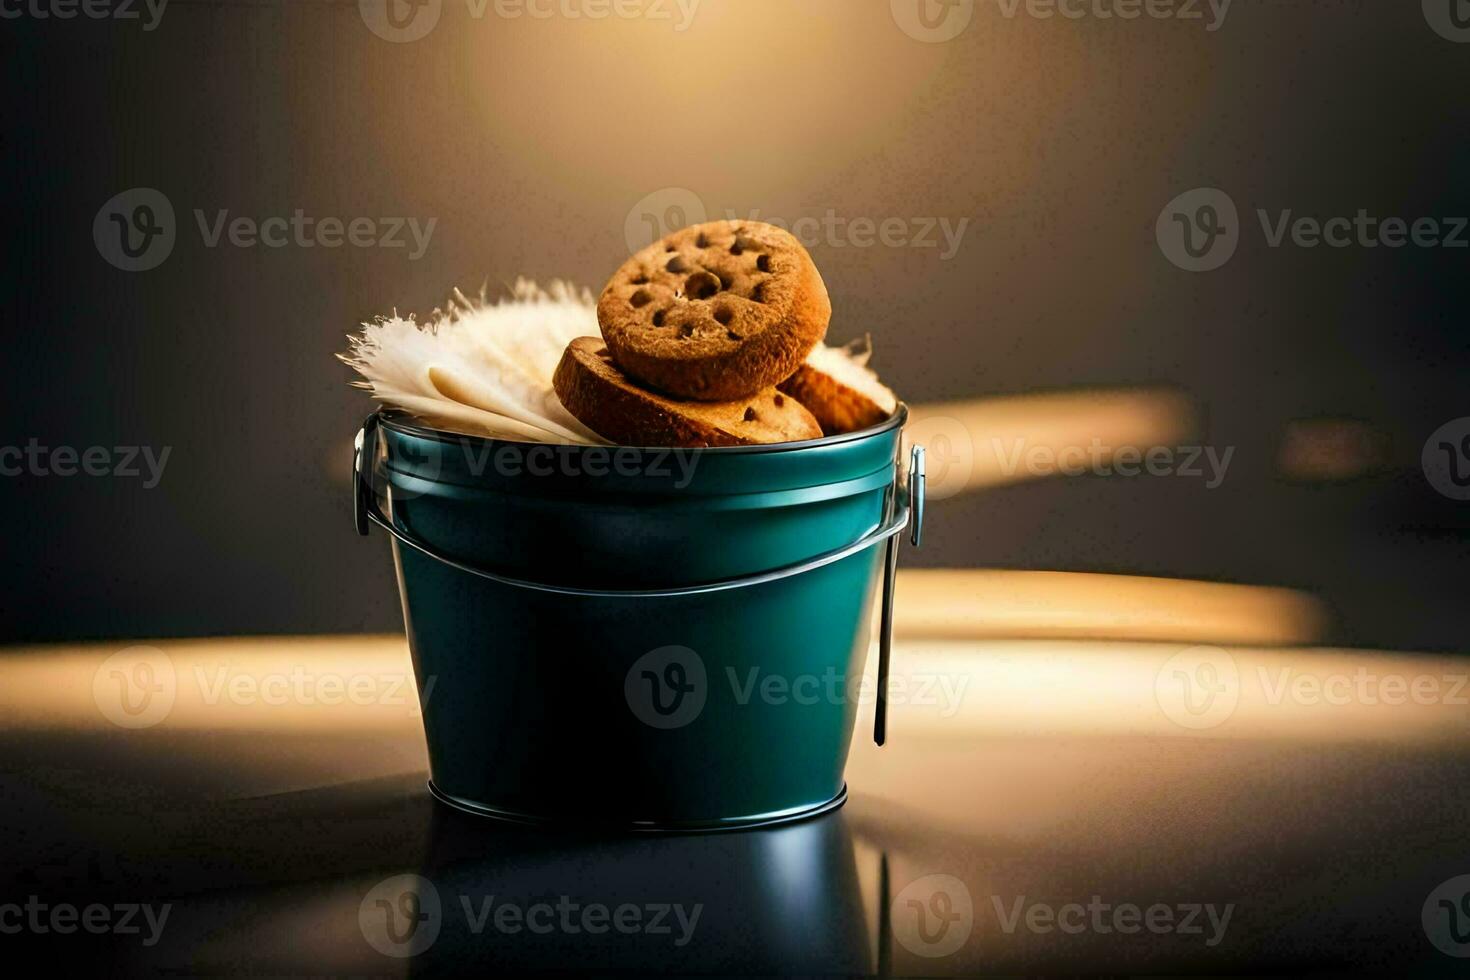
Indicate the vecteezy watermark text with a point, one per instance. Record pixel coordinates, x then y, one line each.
122 10
679 12
1125 918
541 460
1362 686
1201 687
403 21
224 684
139 686
670 208
937 21
570 918
1182 10
402 916
123 462
304 231
669 687
1200 230
136 230
65 919
934 916
944 691
958 458
1101 459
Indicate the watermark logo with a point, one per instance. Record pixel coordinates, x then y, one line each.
1199 230
135 229
136 687
401 916
932 21
949 450
420 459
1446 917
1199 687
1450 19
933 916
1446 459
400 21
667 688
662 213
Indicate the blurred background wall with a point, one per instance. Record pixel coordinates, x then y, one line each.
1047 146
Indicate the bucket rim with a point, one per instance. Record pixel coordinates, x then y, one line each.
398 420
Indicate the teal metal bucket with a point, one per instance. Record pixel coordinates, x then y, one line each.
638 638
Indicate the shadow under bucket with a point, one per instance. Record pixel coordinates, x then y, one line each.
640 638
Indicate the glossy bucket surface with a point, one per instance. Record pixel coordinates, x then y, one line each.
651 712
697 710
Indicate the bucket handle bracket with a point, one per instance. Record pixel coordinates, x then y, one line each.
364 454
913 501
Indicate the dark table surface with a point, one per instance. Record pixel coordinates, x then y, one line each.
1064 830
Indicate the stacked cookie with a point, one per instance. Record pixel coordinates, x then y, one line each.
712 337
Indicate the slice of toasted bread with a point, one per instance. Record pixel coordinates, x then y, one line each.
840 390
605 400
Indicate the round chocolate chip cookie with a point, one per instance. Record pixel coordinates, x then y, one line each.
715 312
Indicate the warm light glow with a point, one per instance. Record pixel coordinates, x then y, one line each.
1053 688
362 686
984 603
988 442
307 684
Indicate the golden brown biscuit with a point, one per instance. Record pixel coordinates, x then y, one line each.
842 393
607 402
716 311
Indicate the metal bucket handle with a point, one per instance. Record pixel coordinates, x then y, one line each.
904 506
